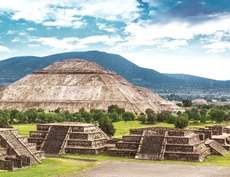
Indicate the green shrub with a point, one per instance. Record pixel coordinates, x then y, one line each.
217 115
106 125
115 117
142 118
128 116
163 116
115 108
171 119
4 119
151 116
181 121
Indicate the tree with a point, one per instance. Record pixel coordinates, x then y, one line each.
162 116
115 117
128 116
13 113
171 119
97 114
187 103
151 116
142 118
193 114
181 121
115 108
106 125
4 119
31 115
217 115
88 117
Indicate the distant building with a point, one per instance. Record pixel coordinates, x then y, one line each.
199 102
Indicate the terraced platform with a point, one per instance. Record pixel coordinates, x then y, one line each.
59 138
162 143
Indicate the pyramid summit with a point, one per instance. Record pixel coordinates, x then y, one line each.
74 84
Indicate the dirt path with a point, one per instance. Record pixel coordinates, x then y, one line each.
130 169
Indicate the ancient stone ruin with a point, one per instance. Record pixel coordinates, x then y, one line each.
173 144
75 84
218 138
60 138
15 151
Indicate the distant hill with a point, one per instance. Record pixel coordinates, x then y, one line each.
15 68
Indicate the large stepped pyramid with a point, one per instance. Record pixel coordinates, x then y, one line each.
16 151
75 84
59 138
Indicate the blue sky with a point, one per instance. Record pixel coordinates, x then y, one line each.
171 36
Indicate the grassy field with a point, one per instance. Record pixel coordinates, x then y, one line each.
51 167
24 129
122 128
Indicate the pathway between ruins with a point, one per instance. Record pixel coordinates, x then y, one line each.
139 169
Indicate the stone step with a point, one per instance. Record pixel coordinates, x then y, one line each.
18 146
127 145
131 138
122 152
216 147
55 139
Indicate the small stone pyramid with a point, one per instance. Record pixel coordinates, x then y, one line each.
69 137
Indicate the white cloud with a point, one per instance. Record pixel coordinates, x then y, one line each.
74 43
173 44
105 27
30 29
64 18
68 13
112 10
217 46
11 32
147 34
16 39
4 49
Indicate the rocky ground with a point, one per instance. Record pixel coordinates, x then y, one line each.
135 169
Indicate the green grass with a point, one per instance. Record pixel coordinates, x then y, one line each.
122 127
24 129
51 167
218 160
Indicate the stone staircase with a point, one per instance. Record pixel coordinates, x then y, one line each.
216 148
127 146
18 146
55 139
152 146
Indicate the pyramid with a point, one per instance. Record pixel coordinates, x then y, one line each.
74 84
69 137
159 143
